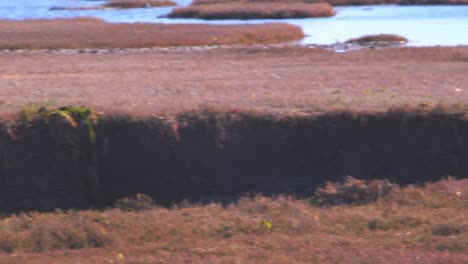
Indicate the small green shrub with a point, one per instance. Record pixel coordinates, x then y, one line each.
446 230
69 236
227 231
394 222
141 202
7 243
377 224
352 191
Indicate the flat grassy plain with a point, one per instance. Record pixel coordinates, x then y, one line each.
80 33
305 81
409 225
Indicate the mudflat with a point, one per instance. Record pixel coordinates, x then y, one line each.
266 79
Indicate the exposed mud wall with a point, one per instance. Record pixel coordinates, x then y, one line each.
53 163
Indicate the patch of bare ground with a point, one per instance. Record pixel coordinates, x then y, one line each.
408 225
93 33
271 80
380 39
245 10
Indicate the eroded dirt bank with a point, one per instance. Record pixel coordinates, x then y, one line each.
69 161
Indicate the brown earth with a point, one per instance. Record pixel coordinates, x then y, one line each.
79 33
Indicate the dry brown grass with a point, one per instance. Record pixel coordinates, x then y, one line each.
378 39
242 10
415 225
94 33
138 3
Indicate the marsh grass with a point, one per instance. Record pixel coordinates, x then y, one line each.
382 39
140 202
80 33
256 229
118 4
138 3
242 10
352 191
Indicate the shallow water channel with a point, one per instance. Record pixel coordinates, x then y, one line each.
422 25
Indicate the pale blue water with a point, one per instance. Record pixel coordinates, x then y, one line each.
422 25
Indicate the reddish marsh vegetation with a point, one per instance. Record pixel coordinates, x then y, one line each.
94 33
245 10
407 225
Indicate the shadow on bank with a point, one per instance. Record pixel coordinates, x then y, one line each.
72 158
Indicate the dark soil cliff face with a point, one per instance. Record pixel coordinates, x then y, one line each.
47 164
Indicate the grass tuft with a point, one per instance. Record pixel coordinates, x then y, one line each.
141 202
447 230
352 191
